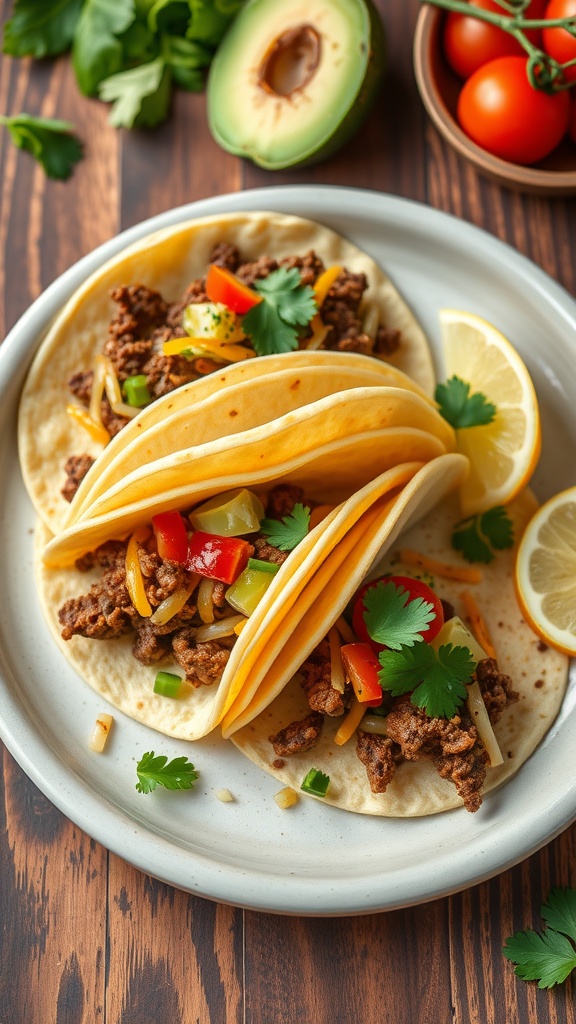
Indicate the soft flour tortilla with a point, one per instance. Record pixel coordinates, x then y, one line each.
329 474
167 261
539 675
240 397
109 666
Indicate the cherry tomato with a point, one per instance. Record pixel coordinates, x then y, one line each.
557 41
469 43
504 114
415 588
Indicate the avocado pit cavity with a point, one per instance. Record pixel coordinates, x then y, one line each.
291 61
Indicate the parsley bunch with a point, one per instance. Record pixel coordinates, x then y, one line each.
129 52
272 325
547 957
51 142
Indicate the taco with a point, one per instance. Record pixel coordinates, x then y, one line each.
143 351
190 602
394 759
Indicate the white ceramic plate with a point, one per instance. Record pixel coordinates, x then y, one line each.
312 859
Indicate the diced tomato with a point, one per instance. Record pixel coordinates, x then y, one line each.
415 588
223 286
362 666
219 558
171 536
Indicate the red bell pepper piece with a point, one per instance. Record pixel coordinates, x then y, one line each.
171 536
362 666
219 558
223 286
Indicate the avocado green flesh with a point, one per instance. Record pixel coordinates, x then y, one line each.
293 79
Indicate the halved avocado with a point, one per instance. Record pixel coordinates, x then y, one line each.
293 79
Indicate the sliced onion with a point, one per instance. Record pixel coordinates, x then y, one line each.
97 393
216 630
337 676
171 605
371 321
375 724
114 394
481 720
205 601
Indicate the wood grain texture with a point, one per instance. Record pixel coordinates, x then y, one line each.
86 938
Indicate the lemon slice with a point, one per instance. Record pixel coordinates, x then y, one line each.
546 572
503 454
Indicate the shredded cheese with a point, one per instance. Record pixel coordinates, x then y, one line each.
324 284
345 631
479 627
450 572
97 431
319 332
207 346
350 723
100 733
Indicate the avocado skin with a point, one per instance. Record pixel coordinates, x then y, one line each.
351 122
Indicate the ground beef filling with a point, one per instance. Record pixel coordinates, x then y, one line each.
452 745
144 320
106 611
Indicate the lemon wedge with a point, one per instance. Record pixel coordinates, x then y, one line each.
503 454
546 572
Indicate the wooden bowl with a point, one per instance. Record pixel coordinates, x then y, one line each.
439 88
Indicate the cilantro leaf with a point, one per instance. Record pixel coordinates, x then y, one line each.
186 60
211 18
478 537
50 142
141 96
436 678
547 957
392 618
286 304
155 771
287 533
460 408
40 29
97 52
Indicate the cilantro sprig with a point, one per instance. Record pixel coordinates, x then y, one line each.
155 770
462 409
272 325
52 143
287 533
479 537
393 618
436 679
547 957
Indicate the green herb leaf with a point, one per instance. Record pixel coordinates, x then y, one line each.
286 534
155 771
187 61
392 618
547 957
50 142
210 19
287 303
478 537
141 96
462 409
41 29
436 679
97 52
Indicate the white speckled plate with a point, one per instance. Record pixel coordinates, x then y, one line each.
311 859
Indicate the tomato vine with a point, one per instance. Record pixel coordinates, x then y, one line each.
544 72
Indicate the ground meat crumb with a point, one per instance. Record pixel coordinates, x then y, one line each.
451 744
282 499
377 755
75 468
267 552
541 646
298 736
496 688
278 763
203 663
316 674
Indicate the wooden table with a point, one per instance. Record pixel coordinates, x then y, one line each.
86 938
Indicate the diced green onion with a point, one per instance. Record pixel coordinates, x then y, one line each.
137 391
261 566
167 684
316 783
